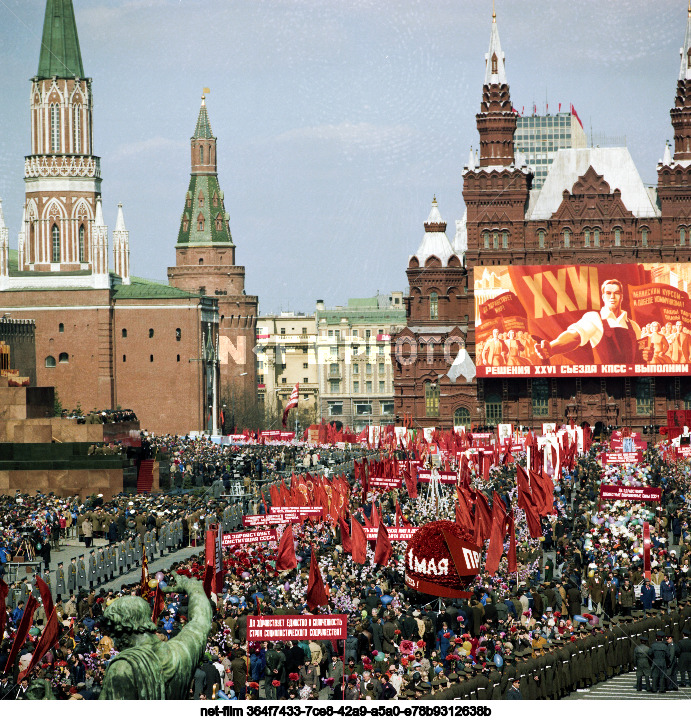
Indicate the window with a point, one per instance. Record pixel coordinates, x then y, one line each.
386 408
283 380
368 334
200 223
541 238
55 233
431 399
304 331
356 386
567 238
368 387
617 237
77 131
504 239
461 417
61 328
382 386
50 362
81 244
368 369
495 240
485 238
151 332
305 365
540 397
178 357
124 332
219 222
151 359
596 237
355 333
363 409
189 201
644 400
331 334
433 306
493 408
586 238
495 69
337 334
201 199
305 349
333 370
333 350
63 358
55 128
215 198
644 237
335 408
334 386
682 236
283 331
382 369
381 350
356 369
124 359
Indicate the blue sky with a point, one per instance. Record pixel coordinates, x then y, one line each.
337 121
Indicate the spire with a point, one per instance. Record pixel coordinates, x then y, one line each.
685 70
495 73
98 220
667 156
121 248
120 222
60 53
203 129
2 218
471 159
434 242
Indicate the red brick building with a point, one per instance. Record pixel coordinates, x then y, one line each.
593 209
103 339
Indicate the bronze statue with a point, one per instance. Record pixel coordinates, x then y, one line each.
147 668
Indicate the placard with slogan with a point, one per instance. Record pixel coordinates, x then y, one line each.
270 519
582 320
640 494
385 483
395 534
446 477
302 511
246 537
279 628
622 457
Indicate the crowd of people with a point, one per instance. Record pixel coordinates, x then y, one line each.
578 611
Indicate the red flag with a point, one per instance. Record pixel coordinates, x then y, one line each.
525 501
46 596
399 514
374 517
316 593
4 590
575 115
159 604
383 550
208 580
24 626
359 542
496 539
292 403
463 517
346 542
511 558
537 492
285 554
544 487
410 483
48 639
483 514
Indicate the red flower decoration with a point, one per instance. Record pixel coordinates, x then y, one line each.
420 644
447 635
253 684
397 632
293 676
276 682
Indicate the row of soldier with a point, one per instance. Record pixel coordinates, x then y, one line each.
569 663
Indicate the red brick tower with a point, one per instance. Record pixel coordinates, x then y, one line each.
205 264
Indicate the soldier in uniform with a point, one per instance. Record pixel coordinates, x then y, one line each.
138 549
100 566
130 553
661 657
147 544
122 557
170 543
60 582
81 573
92 578
72 576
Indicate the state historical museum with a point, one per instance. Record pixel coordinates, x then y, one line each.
571 299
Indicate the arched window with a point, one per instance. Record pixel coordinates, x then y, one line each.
433 306
504 239
124 332
55 128
493 409
431 399
495 64
50 362
61 328
461 417
219 222
201 155
644 237
596 237
541 238
495 239
201 199
617 237
644 397
540 397
77 129
485 238
201 261
586 238
82 255
63 358
55 234
185 224
567 238
200 223
215 200
682 236
151 332
178 334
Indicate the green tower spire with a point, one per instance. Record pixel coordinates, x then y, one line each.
60 53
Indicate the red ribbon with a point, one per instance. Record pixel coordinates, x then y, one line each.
646 549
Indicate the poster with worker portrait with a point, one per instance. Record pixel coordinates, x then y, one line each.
582 320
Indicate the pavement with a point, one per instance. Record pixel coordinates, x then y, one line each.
623 688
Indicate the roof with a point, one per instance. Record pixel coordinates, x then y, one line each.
614 164
203 129
498 78
685 69
60 53
434 241
207 205
142 288
372 315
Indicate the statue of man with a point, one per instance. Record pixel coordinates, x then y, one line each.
146 667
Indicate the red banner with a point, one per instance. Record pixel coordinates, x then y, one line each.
585 320
643 494
622 457
282 628
395 534
385 483
246 537
446 477
303 512
270 519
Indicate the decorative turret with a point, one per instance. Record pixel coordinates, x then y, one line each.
121 248
4 248
496 121
681 112
99 249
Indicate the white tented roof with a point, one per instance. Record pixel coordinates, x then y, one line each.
434 242
614 164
